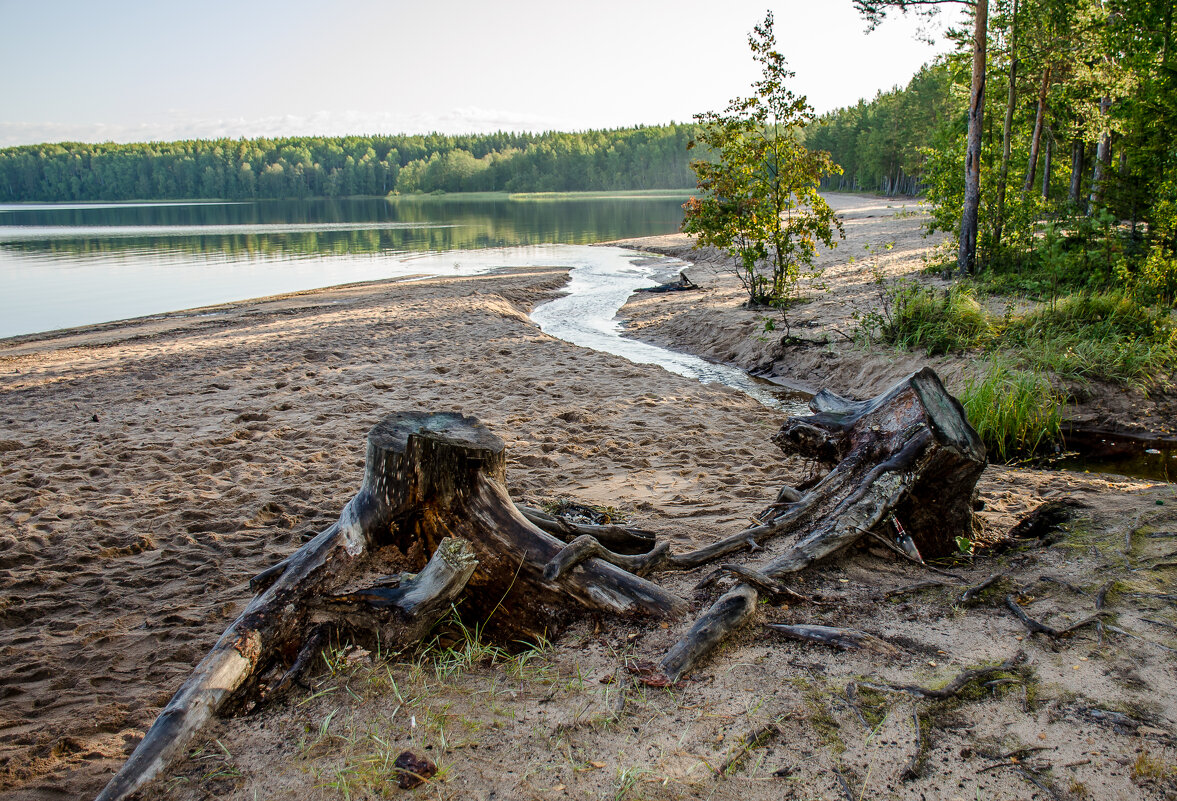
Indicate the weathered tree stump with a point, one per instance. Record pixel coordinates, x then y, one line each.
435 490
909 452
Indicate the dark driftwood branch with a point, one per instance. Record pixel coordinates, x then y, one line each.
1038 627
769 586
587 547
975 590
909 452
912 770
683 284
730 612
845 639
619 539
964 679
262 581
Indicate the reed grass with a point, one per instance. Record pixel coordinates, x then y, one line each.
1017 413
937 322
1101 336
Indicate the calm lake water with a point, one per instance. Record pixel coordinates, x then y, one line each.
63 265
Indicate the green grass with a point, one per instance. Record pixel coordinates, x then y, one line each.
1081 337
1015 412
919 318
1096 336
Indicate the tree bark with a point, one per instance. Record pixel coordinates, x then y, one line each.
1076 191
966 261
1046 164
1103 159
908 453
1036 137
1006 129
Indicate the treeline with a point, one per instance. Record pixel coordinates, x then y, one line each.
882 144
653 157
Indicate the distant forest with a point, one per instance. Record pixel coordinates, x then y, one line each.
883 144
654 157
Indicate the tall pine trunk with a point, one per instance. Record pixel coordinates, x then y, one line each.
1005 131
1103 159
1076 191
1046 163
966 260
1036 139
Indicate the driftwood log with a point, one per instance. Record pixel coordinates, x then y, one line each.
683 284
434 488
434 492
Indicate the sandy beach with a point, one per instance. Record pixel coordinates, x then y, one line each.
149 468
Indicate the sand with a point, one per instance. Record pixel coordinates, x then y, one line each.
149 468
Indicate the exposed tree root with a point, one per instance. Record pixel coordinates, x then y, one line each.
845 639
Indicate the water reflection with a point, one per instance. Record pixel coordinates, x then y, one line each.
301 229
65 265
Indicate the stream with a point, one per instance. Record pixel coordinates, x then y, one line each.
600 282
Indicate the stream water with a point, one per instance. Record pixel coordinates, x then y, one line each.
600 282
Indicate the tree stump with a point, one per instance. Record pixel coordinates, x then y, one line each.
435 490
909 452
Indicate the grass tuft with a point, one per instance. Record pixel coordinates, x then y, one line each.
1016 412
1106 336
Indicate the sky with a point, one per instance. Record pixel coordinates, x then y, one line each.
126 70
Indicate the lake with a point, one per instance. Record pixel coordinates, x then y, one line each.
64 265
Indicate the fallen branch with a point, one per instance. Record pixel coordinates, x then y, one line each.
586 547
1126 633
963 680
753 739
911 771
1037 627
1101 595
769 586
620 539
973 591
845 639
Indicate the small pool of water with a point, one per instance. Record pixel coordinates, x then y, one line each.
1104 452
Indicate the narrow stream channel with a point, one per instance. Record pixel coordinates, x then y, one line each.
599 285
